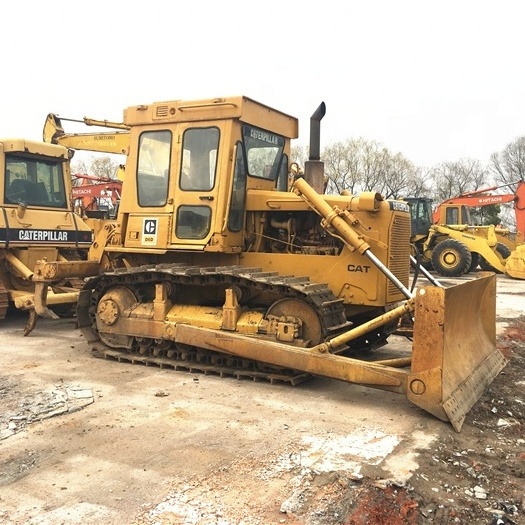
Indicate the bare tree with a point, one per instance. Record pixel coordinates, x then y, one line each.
400 176
360 165
100 166
375 164
299 154
508 166
341 161
452 178
419 183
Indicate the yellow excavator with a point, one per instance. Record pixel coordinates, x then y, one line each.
116 141
224 257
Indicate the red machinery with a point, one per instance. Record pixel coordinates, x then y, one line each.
485 197
94 194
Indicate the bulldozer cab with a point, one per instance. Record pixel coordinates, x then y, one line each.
37 224
34 181
173 197
35 197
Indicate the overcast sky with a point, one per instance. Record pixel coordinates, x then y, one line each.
436 81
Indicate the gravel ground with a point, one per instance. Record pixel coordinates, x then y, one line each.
92 441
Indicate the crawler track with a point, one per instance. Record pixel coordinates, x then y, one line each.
4 301
261 289
202 364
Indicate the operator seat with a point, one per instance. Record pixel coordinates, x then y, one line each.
18 190
38 193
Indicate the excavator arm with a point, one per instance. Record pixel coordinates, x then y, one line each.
116 142
487 197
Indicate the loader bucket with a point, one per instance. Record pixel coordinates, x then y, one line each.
515 263
454 354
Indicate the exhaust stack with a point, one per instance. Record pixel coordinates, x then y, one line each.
314 167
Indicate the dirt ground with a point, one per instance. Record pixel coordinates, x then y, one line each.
93 441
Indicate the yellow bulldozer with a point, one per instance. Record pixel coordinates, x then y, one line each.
37 223
224 257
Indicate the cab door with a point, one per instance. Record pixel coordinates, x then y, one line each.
179 199
197 198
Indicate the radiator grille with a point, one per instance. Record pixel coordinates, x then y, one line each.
399 256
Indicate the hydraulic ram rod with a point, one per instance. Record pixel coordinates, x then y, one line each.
334 217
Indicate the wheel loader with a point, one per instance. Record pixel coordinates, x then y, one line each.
509 245
227 258
37 224
455 247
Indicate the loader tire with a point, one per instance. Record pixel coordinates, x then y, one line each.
451 258
504 252
475 261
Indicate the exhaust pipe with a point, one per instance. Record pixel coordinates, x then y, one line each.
314 168
315 132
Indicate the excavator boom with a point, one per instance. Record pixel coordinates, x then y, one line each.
116 142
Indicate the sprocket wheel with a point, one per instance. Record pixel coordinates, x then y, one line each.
109 309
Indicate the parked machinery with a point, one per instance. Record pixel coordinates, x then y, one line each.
456 248
37 223
115 141
510 247
96 197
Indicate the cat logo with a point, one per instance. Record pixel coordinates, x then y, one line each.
358 268
149 231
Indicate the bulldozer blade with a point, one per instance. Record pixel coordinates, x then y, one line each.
454 354
515 263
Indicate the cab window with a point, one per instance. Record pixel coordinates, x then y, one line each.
193 222
264 152
34 182
453 216
238 196
282 179
153 168
199 159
